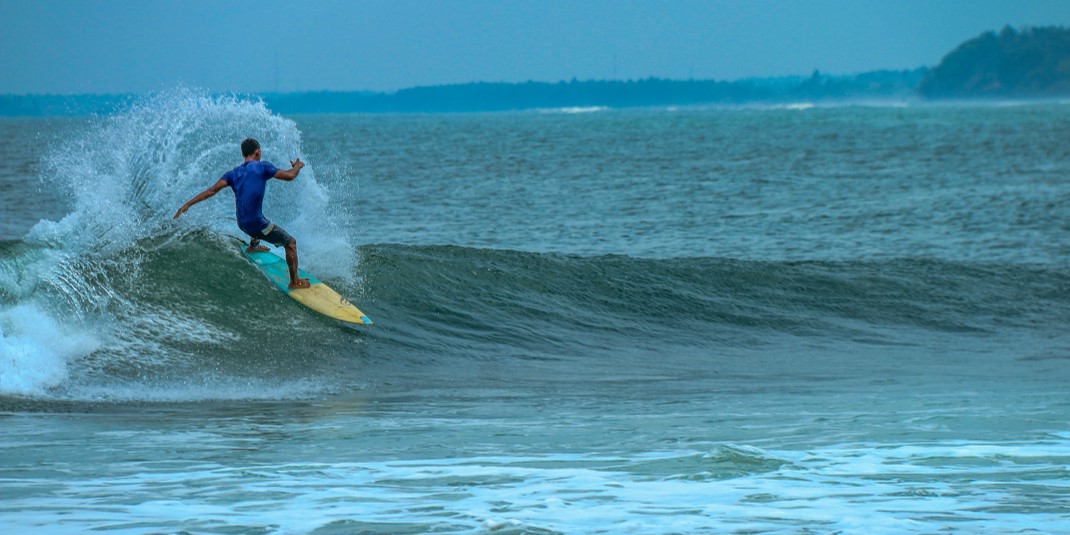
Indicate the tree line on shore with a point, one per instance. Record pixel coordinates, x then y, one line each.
1025 63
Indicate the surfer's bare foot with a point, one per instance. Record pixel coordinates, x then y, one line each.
299 283
257 249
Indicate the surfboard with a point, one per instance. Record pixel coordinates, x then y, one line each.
318 297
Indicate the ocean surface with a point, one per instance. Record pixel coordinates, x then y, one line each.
759 319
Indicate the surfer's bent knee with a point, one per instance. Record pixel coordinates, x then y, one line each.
275 235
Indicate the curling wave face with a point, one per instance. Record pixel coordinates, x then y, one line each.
193 314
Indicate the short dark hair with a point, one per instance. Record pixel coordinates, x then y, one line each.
249 146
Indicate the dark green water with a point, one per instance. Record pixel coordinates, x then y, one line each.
761 320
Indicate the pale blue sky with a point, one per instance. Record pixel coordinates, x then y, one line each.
99 46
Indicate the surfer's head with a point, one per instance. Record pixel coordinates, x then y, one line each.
249 147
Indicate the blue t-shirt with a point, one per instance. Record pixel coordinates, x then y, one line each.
248 181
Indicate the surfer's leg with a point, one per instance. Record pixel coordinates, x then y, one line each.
291 262
280 238
255 247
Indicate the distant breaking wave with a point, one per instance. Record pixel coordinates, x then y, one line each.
574 109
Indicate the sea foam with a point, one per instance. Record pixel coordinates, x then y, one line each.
34 349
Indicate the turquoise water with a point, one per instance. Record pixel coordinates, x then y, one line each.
730 320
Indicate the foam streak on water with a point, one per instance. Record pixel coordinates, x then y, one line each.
218 479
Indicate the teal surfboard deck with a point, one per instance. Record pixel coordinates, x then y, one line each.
276 270
318 296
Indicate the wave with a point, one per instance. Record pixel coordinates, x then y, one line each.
195 320
710 299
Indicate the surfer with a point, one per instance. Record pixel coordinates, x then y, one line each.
249 180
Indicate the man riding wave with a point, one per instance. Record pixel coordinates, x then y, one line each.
249 182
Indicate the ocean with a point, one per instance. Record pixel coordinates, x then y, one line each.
756 319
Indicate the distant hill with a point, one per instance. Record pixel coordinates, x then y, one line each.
1030 62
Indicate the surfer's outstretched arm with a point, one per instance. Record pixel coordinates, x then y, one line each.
212 190
295 169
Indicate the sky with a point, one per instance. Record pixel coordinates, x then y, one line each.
133 46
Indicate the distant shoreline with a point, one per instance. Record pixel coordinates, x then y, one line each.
486 96
95 105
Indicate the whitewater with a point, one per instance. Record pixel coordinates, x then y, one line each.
793 319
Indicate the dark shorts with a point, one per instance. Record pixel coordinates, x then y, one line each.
274 235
